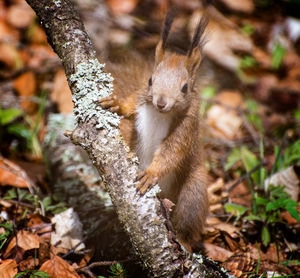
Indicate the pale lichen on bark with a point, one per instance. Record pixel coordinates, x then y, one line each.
90 84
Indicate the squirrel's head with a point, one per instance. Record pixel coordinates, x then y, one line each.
172 82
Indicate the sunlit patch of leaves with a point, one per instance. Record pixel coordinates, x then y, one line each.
32 274
8 230
14 123
266 208
47 204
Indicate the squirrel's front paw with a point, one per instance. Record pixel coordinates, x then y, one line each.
110 103
146 181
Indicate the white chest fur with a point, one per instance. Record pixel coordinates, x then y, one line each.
152 127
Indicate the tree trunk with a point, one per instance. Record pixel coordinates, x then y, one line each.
97 132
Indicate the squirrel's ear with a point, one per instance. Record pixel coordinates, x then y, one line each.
159 53
194 55
161 46
193 61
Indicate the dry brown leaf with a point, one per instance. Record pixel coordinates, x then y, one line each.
240 265
217 253
270 255
245 6
10 56
12 174
223 121
61 93
56 267
25 240
287 177
212 189
288 217
28 263
122 6
37 35
40 225
20 15
8 269
25 85
221 29
8 34
228 228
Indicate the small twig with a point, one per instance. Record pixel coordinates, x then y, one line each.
87 272
87 269
250 129
22 204
239 180
72 250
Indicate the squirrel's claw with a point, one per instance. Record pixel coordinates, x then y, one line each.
109 103
146 181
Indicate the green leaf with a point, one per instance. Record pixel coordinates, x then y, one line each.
248 29
265 236
41 274
9 115
248 62
294 213
232 158
260 201
20 130
252 217
20 274
235 209
278 54
249 159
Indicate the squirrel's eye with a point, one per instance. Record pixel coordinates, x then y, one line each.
184 88
150 81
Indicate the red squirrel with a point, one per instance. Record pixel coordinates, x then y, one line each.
166 129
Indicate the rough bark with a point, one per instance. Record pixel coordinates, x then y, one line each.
97 132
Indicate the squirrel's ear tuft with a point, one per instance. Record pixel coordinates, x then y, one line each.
161 46
194 55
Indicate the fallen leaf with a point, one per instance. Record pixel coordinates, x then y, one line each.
61 93
28 263
228 228
68 230
20 15
37 35
56 267
25 240
245 6
287 177
9 56
25 85
14 175
223 120
240 265
270 255
221 29
8 269
40 225
122 6
8 34
212 190
217 253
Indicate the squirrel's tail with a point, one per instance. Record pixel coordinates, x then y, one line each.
191 210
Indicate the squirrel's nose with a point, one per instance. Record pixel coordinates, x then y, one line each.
161 103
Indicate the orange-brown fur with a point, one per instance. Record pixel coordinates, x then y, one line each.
177 161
